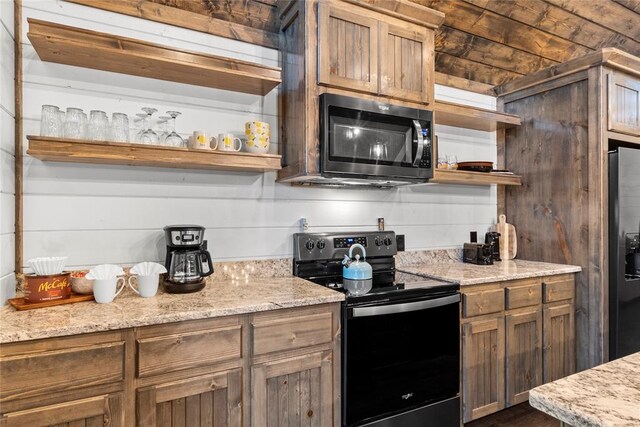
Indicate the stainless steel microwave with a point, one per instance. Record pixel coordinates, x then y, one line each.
367 141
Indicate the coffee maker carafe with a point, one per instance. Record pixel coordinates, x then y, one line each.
188 262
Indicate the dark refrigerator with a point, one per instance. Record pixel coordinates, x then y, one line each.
624 252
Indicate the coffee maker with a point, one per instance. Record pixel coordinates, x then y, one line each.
188 262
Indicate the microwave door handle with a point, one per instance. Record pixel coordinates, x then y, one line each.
406 307
418 129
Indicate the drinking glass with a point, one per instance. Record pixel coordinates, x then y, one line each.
50 123
452 162
149 136
73 123
139 127
162 124
84 129
119 127
173 139
98 125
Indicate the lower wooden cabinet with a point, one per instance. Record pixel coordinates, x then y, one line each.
205 400
515 336
524 354
98 411
294 391
482 368
559 341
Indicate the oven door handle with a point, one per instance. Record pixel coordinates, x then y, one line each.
406 307
420 150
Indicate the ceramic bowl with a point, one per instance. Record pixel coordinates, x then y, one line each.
80 284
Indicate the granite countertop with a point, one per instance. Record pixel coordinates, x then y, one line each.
224 295
605 396
471 274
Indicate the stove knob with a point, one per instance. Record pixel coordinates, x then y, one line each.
378 242
321 244
309 245
387 241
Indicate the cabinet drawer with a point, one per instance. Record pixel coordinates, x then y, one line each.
170 353
38 373
291 333
484 302
523 294
558 289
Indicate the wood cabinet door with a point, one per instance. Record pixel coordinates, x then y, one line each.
558 353
347 49
482 368
98 411
523 354
206 400
296 391
407 62
624 104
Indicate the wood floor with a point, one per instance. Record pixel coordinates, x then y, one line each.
521 415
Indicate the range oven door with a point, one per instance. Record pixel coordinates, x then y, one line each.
401 363
372 140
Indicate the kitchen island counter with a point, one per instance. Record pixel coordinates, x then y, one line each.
221 297
605 396
472 274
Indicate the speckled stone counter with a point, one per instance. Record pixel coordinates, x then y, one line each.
234 291
471 274
605 396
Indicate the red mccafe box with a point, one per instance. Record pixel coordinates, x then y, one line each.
47 288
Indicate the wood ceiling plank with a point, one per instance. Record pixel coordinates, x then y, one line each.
561 23
245 12
180 18
478 49
633 5
607 13
465 84
483 23
470 70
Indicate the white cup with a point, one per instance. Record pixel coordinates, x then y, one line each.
147 285
104 290
228 142
202 141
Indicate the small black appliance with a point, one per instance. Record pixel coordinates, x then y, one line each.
493 238
477 253
393 375
188 261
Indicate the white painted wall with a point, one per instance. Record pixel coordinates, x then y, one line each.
7 158
96 214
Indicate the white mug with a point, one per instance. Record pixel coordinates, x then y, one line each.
147 285
104 290
228 142
202 141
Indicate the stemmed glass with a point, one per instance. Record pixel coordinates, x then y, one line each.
173 139
162 124
149 136
139 127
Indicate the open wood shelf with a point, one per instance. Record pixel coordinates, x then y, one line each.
445 176
117 153
90 49
465 116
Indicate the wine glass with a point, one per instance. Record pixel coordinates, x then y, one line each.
139 124
149 136
162 123
173 139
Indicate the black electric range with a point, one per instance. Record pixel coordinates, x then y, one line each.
400 341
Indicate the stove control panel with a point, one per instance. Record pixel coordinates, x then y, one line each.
333 246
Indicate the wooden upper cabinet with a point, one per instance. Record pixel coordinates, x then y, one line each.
347 49
406 62
624 104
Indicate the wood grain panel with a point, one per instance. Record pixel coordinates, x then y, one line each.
187 350
559 344
464 68
624 103
523 354
552 210
291 332
91 365
558 288
483 302
523 294
483 346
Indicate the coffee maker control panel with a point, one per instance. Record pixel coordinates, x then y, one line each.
185 238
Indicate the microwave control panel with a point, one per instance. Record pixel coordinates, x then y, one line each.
425 161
